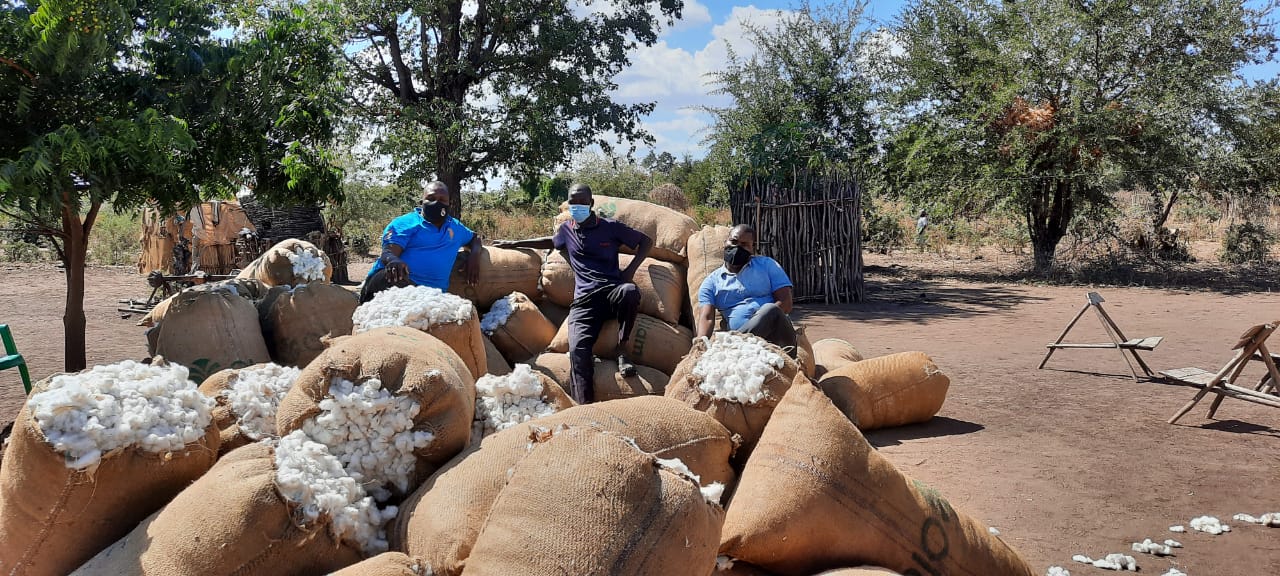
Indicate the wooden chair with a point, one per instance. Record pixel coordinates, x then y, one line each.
1118 339
1251 346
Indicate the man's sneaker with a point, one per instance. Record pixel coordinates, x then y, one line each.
625 367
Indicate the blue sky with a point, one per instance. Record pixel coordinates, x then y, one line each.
671 73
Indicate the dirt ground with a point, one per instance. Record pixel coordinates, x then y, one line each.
1074 459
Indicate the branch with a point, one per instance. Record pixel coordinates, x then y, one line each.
407 93
424 54
17 67
37 226
386 82
91 217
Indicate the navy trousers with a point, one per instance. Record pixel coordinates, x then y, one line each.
587 316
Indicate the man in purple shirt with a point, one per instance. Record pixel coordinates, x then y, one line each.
602 291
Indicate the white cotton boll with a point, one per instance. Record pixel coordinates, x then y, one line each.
1246 518
254 395
1209 525
307 267
357 417
498 314
511 399
993 531
1268 519
154 408
713 492
313 479
726 563
1149 547
1081 558
1057 571
1179 528
1110 562
735 367
419 307
1174 572
1173 543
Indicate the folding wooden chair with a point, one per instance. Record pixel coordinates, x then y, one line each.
1251 346
1118 339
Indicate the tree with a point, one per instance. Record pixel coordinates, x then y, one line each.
1048 106
455 90
800 101
135 101
662 163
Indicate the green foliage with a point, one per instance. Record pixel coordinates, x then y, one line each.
610 175
20 251
115 238
1246 242
882 228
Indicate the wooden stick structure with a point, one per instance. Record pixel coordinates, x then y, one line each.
1252 346
1126 346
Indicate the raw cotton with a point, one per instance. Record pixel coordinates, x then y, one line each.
419 307
1269 519
712 492
1148 547
88 414
370 431
735 367
311 478
496 316
504 401
1057 571
307 267
254 394
1111 562
1174 572
1173 543
1179 528
1209 525
518 329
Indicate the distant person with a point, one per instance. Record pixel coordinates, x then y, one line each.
421 247
922 224
752 292
602 290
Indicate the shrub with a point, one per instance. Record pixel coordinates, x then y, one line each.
671 196
1246 242
20 251
114 238
881 229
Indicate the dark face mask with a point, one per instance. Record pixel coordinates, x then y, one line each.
435 211
736 256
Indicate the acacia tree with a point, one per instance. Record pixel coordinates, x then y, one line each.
455 90
134 101
1048 106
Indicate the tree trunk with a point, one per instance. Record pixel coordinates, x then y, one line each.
74 254
1048 218
452 177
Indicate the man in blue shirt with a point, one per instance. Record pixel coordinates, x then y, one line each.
752 292
419 248
602 291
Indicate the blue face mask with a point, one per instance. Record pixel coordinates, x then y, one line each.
579 212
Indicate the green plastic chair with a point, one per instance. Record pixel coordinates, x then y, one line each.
13 358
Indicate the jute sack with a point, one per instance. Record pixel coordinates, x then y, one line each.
606 382
832 353
210 332
294 321
887 391
744 569
525 334
274 268
616 511
502 271
661 285
815 496
408 363
247 288
442 519
494 362
552 393
804 353
740 568
466 340
556 313
230 521
653 342
386 564
705 251
670 230
745 420
231 435
53 518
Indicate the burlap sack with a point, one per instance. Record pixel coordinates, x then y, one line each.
273 267
556 313
815 496
745 420
230 521
294 321
653 342
607 383
53 518
552 393
213 331
442 519
616 511
466 340
494 362
248 288
860 571
670 230
407 362
832 353
804 353
227 422
661 285
705 251
386 564
502 271
887 391
526 332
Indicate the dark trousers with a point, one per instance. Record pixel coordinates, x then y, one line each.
587 316
376 283
772 324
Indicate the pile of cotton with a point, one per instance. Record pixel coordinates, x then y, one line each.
1209 525
1179 528
419 307
712 492
254 394
735 367
1111 562
370 431
505 401
88 414
307 267
1148 547
316 481
497 314
1174 572
1057 571
1271 519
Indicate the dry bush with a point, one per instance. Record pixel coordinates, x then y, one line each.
671 196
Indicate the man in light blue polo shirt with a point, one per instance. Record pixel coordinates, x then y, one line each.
752 292
419 248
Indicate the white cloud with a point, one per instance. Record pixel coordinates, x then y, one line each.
694 14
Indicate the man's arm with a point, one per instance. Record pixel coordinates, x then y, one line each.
397 270
706 320
544 243
642 252
783 297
